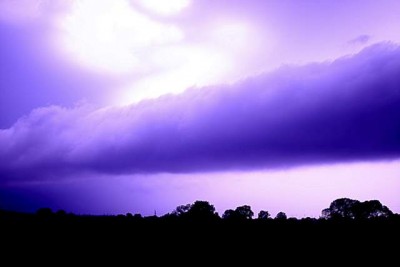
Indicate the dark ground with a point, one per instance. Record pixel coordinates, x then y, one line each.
173 240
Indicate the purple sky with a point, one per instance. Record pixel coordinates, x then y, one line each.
134 106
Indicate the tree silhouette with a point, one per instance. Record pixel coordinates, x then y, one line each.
281 216
245 212
371 209
181 210
198 211
240 213
138 216
229 214
340 208
264 215
345 208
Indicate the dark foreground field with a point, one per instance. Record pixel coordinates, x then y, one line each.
176 237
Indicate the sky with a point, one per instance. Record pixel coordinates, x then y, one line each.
116 106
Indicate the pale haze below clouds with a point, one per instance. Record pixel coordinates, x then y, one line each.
299 192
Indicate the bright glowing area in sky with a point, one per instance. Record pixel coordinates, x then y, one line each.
200 67
165 7
232 34
116 37
111 36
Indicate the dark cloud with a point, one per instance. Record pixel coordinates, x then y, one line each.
346 110
361 39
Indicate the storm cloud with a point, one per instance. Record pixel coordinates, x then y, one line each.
340 111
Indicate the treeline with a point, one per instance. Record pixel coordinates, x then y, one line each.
203 211
197 228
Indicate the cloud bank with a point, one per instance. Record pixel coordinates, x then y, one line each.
346 110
